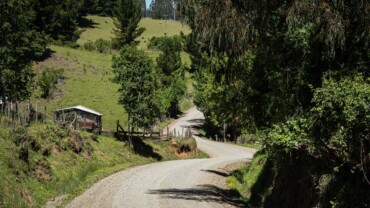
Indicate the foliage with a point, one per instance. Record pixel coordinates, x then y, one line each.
127 15
341 122
164 9
57 19
173 43
171 73
223 99
134 72
102 7
293 42
305 84
19 45
100 45
48 79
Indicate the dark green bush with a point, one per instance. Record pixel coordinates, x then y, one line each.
331 145
162 43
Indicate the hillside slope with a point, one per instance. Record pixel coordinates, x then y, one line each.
88 74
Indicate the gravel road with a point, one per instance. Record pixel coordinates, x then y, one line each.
184 183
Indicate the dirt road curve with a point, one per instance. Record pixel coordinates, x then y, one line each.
186 183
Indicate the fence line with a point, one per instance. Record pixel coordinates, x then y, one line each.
122 134
14 115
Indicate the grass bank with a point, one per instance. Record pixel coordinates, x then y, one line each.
243 179
44 161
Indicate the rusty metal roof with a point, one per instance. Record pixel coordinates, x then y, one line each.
81 108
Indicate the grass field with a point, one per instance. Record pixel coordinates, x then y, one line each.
102 27
88 74
88 83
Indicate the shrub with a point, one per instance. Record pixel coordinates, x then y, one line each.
89 46
161 43
100 45
48 79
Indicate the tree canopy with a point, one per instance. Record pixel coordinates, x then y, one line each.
297 72
19 45
293 43
134 72
127 15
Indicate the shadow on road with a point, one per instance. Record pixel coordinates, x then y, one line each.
203 193
195 124
145 150
217 172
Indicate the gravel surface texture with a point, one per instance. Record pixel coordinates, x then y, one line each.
184 183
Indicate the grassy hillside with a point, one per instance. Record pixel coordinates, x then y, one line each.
45 161
88 73
87 83
102 27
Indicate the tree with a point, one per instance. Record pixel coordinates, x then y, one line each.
164 9
306 87
171 72
19 45
294 43
58 19
134 72
127 15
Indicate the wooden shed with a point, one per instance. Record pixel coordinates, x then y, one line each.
79 118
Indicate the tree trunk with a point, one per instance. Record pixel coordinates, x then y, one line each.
129 130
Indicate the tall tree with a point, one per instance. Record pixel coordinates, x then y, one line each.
58 19
19 45
293 42
307 86
164 9
126 15
172 73
134 72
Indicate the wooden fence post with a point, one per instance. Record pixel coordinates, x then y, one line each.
17 110
117 127
46 115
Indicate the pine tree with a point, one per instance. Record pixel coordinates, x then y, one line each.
126 15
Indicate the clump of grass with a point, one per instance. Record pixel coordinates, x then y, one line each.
243 179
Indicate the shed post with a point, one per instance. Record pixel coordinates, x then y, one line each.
75 124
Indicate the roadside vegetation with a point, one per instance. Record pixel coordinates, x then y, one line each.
45 161
294 77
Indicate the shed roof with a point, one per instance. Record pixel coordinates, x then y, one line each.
82 108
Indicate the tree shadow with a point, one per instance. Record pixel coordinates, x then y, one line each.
143 149
196 124
87 23
47 54
203 193
217 173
